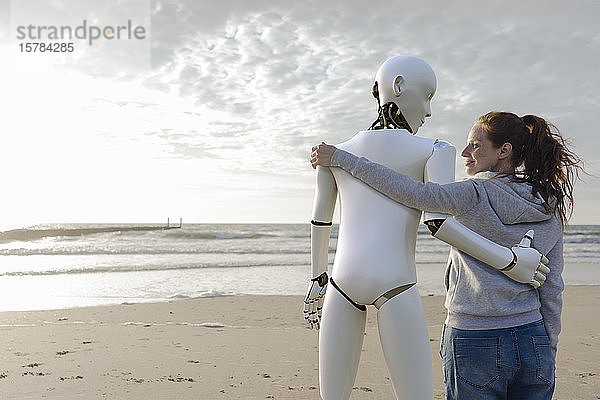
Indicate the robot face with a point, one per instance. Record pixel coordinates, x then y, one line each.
410 83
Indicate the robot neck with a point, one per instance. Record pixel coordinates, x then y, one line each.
390 117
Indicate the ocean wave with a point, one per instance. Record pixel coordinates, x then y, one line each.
583 232
150 252
581 240
217 235
179 297
215 293
73 234
141 268
162 267
36 234
206 294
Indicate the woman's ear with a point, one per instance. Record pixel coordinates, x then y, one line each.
505 151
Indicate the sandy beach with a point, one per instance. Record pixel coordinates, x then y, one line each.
247 347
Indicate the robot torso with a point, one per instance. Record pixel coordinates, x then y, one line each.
377 236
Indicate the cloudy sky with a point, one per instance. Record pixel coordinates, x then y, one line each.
211 116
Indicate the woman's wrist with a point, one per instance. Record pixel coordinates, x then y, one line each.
336 157
332 162
342 159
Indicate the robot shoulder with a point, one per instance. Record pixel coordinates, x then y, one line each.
440 164
442 144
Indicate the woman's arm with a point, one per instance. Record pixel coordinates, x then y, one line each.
453 198
520 262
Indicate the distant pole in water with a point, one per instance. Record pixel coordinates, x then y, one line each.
167 222
180 219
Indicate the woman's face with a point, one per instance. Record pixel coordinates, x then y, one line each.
480 153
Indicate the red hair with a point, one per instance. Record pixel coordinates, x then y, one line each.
540 157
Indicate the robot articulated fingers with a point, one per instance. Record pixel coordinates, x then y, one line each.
313 302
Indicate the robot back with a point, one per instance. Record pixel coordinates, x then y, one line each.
377 236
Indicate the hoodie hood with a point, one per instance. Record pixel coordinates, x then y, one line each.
512 202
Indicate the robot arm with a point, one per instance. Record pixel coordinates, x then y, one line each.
520 263
323 207
439 169
322 214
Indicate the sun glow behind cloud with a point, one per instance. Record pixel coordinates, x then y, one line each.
78 147
219 126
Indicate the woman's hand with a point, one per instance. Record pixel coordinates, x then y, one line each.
321 155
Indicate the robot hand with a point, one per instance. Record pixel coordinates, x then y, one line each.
528 265
313 302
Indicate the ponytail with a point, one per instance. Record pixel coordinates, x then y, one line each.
540 157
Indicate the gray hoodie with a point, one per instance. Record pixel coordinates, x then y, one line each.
479 296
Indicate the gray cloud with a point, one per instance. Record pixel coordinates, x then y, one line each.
302 73
289 74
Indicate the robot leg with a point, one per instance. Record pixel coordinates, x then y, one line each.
405 341
340 343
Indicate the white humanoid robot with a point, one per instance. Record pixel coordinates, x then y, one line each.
375 258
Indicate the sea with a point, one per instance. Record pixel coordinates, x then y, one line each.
58 266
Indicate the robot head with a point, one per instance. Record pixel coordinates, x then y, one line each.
404 86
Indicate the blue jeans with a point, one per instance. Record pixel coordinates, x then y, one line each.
512 363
